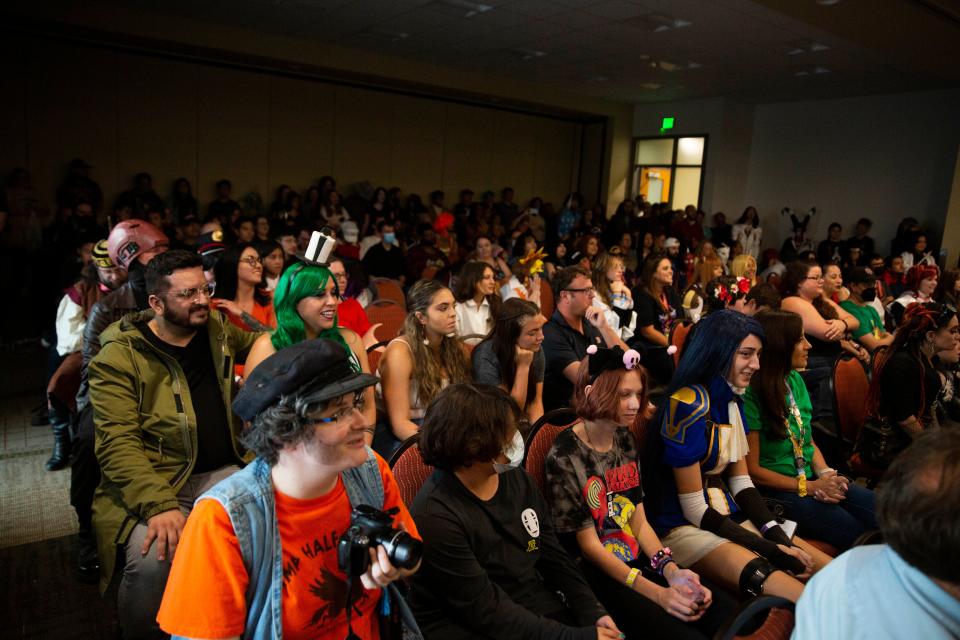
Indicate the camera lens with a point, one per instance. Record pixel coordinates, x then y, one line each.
403 550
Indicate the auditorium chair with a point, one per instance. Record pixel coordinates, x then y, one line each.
389 315
678 336
389 289
778 624
409 469
542 434
547 304
850 385
374 353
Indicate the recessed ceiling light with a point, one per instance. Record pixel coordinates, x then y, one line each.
652 86
657 22
828 3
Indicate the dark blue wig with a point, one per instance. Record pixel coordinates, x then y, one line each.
709 353
712 348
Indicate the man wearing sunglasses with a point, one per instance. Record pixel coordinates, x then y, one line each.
161 389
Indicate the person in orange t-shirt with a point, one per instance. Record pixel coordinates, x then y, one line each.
299 476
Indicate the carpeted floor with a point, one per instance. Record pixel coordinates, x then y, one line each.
43 597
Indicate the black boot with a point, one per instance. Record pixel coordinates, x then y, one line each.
60 458
88 562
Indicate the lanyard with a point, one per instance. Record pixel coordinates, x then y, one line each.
796 441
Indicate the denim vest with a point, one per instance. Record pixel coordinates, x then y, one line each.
247 497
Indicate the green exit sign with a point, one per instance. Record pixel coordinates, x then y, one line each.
666 124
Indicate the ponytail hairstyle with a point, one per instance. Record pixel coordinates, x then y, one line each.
427 375
783 331
508 324
296 283
918 319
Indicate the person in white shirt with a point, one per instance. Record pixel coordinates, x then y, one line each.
477 301
748 232
613 295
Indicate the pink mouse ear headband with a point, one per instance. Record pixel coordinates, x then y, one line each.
602 359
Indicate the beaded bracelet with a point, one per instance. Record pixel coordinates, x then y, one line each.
661 559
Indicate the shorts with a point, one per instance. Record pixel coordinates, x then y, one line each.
691 544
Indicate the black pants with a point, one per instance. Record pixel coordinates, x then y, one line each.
84 472
638 617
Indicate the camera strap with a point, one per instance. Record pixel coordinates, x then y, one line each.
364 485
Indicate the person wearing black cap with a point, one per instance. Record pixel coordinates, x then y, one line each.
862 284
262 544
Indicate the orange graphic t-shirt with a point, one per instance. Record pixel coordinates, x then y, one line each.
205 593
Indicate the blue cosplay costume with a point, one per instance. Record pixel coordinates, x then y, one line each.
697 428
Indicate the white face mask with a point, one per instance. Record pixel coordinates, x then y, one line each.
513 453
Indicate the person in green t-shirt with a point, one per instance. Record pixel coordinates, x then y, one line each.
783 460
862 284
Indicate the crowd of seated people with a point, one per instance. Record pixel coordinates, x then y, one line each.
211 388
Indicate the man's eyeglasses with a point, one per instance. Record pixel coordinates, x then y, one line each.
342 414
194 293
253 261
583 290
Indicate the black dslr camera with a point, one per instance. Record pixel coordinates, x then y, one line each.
368 528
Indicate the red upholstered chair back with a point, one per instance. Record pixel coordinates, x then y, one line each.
678 336
850 386
541 437
778 626
388 289
373 358
547 304
409 469
388 313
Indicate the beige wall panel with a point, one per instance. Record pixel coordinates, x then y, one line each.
233 139
301 133
514 148
361 137
416 154
13 108
157 122
468 156
554 170
72 112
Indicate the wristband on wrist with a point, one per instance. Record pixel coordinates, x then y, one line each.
802 486
661 559
632 577
767 527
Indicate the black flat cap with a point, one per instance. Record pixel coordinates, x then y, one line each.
322 364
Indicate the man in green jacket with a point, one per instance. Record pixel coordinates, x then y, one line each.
161 391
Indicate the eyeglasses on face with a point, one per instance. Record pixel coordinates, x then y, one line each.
817 278
193 293
253 261
342 414
583 290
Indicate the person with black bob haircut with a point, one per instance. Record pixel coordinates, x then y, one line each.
492 564
910 586
261 548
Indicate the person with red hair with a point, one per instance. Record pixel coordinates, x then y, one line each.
920 283
902 400
596 497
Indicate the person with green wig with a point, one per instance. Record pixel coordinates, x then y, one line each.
305 302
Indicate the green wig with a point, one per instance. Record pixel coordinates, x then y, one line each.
299 282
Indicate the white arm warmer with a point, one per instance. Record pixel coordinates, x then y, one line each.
736 484
693 506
